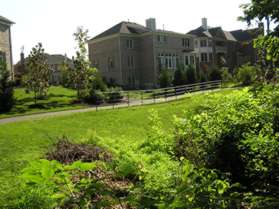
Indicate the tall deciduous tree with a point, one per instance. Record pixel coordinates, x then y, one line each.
6 88
267 46
38 72
81 63
261 9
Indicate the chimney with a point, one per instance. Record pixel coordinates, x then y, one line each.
151 24
204 23
22 61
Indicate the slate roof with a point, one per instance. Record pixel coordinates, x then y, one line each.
53 59
246 35
129 28
3 19
123 27
216 32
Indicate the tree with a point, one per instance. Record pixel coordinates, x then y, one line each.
38 72
246 74
179 76
6 89
66 74
267 46
191 75
261 9
165 78
81 63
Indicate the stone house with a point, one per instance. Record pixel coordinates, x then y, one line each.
245 50
132 55
54 61
215 47
6 43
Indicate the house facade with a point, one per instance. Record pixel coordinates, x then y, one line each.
6 43
54 61
132 55
215 47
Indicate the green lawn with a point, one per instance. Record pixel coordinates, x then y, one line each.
24 141
59 98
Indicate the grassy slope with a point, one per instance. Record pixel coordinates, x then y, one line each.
24 141
59 98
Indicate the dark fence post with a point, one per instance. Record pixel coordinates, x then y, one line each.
165 93
175 93
154 97
141 97
128 96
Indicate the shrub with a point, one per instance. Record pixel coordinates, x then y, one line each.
215 74
246 74
237 135
114 94
6 89
165 78
226 76
95 97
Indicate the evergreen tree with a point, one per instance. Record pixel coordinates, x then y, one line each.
6 89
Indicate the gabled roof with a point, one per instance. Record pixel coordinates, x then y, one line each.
216 32
3 19
200 32
246 35
123 28
53 59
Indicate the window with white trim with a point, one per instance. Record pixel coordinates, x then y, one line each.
186 60
129 43
131 63
204 57
203 43
186 42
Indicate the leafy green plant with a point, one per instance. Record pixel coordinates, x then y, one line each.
113 95
55 181
246 74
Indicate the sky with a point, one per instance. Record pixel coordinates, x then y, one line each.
53 22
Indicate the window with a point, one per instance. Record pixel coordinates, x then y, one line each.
192 60
2 56
168 61
129 44
131 62
110 63
162 39
196 43
186 60
209 42
203 57
186 42
203 43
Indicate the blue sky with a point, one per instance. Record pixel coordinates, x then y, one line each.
53 22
